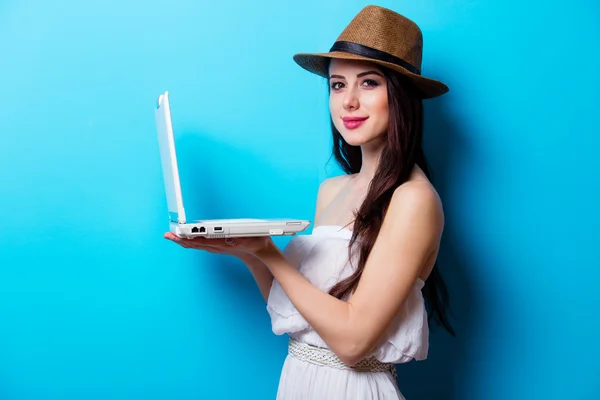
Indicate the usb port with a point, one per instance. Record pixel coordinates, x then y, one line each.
218 229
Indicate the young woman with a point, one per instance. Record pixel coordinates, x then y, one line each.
352 295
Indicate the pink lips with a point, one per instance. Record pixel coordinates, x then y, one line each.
353 122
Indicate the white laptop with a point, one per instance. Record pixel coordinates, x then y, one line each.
216 228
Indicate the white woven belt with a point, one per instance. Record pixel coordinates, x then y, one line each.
326 357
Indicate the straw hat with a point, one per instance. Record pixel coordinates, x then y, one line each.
381 36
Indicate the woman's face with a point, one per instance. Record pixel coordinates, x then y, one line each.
358 101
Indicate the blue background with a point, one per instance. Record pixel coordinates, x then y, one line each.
95 304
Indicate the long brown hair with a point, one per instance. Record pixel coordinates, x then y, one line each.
402 151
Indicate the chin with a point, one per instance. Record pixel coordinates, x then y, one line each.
358 138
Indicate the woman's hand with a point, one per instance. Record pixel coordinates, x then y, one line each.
238 247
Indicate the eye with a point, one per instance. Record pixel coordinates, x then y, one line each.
335 86
371 83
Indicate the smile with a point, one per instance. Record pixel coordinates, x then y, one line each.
353 122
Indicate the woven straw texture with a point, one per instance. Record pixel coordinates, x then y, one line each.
384 30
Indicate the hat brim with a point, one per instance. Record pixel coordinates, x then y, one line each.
318 63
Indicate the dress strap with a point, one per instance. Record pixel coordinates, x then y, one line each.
326 357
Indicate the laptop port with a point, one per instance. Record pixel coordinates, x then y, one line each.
195 229
202 229
218 229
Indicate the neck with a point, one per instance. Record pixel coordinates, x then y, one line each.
371 152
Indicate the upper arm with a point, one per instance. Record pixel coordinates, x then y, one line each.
410 233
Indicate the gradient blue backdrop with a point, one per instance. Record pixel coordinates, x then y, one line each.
95 304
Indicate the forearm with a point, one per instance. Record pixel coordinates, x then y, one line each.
261 274
330 317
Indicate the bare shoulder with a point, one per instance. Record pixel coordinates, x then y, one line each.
331 186
328 189
418 202
418 190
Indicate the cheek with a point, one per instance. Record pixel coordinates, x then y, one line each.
334 104
380 102
385 115
378 106
335 109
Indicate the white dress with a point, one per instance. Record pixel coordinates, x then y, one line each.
322 257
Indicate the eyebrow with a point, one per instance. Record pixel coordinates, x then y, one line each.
358 76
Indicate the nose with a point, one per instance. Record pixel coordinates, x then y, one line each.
350 100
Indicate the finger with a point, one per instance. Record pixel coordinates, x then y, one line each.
182 242
171 236
218 247
176 239
217 243
200 243
196 244
209 241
